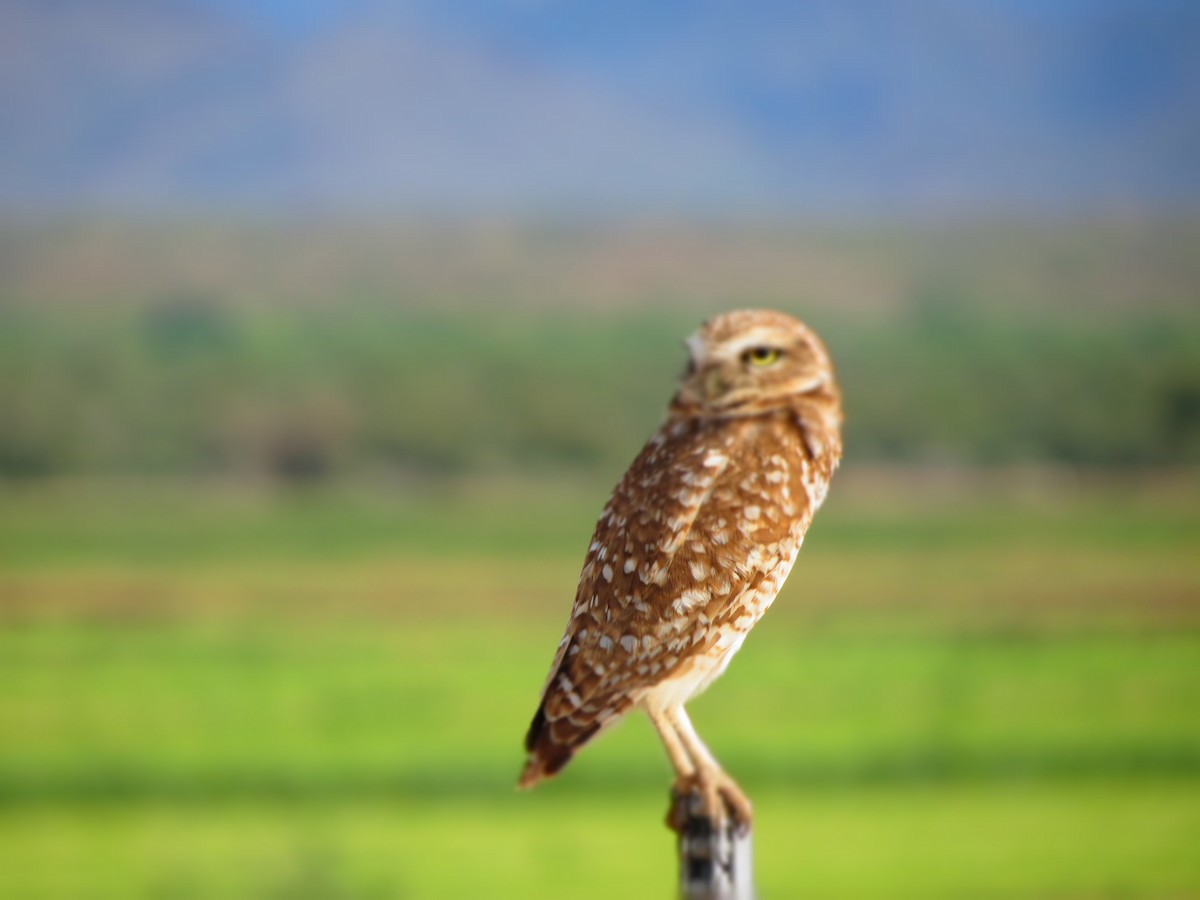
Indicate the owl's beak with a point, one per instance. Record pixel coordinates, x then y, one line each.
714 385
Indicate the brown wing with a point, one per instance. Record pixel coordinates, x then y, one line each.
695 523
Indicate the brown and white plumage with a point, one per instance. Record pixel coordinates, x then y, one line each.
694 544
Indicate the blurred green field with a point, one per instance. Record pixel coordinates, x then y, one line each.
344 350
971 687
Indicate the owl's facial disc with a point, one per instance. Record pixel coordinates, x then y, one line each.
749 375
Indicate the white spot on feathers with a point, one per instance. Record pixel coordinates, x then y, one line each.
689 600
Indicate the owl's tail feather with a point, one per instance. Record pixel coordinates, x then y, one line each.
549 751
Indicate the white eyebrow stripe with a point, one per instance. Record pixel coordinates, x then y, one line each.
697 347
757 337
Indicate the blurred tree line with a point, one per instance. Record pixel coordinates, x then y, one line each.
192 383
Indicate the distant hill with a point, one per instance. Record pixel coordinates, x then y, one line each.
846 105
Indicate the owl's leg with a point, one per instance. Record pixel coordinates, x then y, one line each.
722 797
680 760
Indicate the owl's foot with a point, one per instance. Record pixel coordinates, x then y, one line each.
710 795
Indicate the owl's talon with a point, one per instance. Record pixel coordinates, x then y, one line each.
720 801
677 815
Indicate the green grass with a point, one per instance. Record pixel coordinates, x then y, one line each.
977 840
130 713
983 692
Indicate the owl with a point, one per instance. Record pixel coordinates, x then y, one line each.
694 544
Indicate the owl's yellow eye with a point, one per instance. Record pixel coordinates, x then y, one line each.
761 356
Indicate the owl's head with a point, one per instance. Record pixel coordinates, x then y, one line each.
750 361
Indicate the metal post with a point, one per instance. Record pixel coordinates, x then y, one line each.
714 864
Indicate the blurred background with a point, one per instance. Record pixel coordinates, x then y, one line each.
326 328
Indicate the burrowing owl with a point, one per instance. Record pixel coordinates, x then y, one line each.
693 546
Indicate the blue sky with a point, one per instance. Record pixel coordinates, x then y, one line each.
306 14
792 105
290 15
